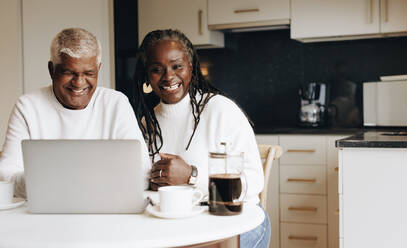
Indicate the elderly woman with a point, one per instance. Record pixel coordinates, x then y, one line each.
191 120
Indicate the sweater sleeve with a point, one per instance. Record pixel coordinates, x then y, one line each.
11 161
128 128
234 128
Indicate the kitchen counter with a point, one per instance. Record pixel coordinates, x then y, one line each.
323 130
375 139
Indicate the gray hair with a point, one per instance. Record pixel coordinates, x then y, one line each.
77 43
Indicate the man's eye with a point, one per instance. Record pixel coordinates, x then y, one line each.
177 66
90 73
66 72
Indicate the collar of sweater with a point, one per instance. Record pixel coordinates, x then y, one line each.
180 108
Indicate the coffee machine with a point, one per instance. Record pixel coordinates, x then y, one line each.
313 105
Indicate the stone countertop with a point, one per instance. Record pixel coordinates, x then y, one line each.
322 130
375 139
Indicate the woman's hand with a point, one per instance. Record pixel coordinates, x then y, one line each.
170 170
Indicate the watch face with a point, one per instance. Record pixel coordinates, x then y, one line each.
194 174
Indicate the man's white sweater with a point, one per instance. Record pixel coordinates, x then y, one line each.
39 115
221 121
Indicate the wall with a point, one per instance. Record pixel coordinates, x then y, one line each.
10 60
43 19
264 70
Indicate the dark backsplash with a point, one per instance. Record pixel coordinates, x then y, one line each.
263 70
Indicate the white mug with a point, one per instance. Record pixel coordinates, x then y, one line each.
178 199
6 192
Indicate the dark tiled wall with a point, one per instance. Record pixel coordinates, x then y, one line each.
263 71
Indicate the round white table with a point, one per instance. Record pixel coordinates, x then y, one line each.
19 228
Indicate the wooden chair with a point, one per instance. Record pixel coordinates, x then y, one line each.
268 153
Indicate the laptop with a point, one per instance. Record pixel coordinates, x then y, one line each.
84 176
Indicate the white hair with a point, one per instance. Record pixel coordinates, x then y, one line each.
77 43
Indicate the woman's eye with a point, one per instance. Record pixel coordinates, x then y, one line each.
155 70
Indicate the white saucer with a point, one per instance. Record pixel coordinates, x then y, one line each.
155 210
16 203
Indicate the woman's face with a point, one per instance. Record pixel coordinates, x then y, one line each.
169 70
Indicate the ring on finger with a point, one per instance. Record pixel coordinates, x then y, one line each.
161 173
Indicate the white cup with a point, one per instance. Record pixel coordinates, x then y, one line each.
178 199
6 192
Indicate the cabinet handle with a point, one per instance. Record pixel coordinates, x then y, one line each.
238 11
200 12
386 10
308 238
336 169
310 209
301 150
371 11
303 180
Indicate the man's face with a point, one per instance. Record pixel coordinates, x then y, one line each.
74 80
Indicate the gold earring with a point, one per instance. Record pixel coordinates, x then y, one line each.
147 88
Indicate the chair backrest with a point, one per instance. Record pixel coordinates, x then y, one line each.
268 153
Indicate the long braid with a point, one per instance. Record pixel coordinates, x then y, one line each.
144 103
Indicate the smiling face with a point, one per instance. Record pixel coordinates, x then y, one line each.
169 70
74 80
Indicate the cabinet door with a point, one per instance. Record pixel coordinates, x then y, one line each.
322 18
393 16
303 235
189 16
303 150
251 13
374 203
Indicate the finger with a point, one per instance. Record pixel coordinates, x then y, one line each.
158 174
159 167
167 156
160 181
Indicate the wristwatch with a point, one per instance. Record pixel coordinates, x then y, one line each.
194 176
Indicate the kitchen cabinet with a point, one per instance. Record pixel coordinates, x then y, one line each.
373 210
314 20
189 16
230 14
305 195
372 188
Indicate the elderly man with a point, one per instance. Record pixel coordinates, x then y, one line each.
73 107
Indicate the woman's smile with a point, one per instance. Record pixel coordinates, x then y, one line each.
171 88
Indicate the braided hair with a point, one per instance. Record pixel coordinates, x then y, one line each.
200 90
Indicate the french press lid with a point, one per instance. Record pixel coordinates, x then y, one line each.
223 155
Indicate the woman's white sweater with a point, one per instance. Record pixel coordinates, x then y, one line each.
221 121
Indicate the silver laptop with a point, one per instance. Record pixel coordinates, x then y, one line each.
84 176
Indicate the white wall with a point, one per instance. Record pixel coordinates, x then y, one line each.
43 19
11 81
